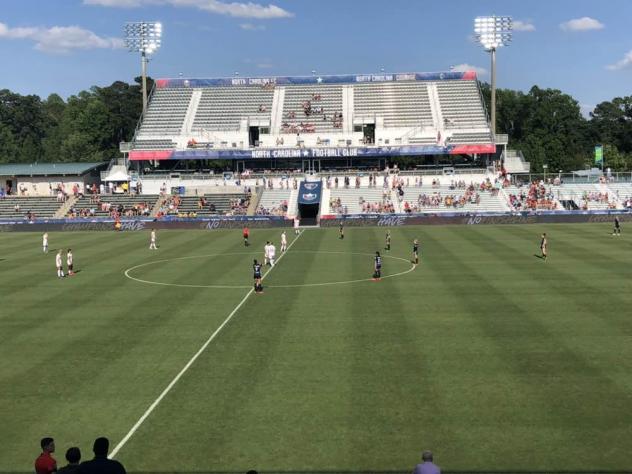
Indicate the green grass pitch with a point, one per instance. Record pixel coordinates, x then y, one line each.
484 353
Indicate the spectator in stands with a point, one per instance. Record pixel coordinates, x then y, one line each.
427 466
73 456
45 463
101 464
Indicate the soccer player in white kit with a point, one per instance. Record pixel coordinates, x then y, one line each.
283 242
296 223
271 253
45 242
58 264
69 262
152 240
266 253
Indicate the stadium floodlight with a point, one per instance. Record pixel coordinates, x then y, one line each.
493 32
144 37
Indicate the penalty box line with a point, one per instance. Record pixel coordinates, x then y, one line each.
188 365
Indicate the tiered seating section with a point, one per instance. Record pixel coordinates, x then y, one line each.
402 104
312 109
417 194
158 144
588 196
20 207
113 205
457 196
461 104
204 206
405 112
470 138
274 202
222 108
166 111
624 192
362 200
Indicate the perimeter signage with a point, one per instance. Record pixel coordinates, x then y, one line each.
306 153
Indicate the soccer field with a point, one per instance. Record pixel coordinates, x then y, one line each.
483 353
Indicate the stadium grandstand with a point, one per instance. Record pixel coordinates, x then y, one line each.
274 135
313 122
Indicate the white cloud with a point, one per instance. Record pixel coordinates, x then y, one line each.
622 63
61 39
582 24
251 27
519 25
480 71
235 9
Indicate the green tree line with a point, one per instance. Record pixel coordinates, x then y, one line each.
549 128
546 124
87 127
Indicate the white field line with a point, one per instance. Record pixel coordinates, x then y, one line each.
188 365
302 285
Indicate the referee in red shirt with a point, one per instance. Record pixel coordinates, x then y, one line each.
45 463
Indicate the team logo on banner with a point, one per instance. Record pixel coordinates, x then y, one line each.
310 186
310 196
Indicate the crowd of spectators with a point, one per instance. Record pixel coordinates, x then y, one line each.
112 209
532 197
278 210
310 108
239 206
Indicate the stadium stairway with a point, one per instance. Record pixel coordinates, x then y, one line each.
63 210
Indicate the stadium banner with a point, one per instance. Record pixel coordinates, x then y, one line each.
357 220
307 153
309 192
397 220
598 154
76 225
323 79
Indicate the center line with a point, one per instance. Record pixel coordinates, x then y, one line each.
164 393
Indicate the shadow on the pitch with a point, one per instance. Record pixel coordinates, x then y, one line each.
538 256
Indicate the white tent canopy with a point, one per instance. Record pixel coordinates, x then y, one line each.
117 173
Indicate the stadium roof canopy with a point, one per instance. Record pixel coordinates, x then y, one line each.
48 169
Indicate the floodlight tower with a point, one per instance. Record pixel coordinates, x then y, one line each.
143 37
493 32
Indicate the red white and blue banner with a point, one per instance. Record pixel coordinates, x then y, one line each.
307 153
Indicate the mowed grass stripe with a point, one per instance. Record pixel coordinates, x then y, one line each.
552 396
484 354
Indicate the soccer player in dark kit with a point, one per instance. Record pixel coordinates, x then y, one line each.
415 251
377 267
256 268
617 226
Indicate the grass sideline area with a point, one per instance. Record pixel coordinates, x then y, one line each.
484 354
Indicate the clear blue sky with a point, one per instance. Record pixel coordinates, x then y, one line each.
583 47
